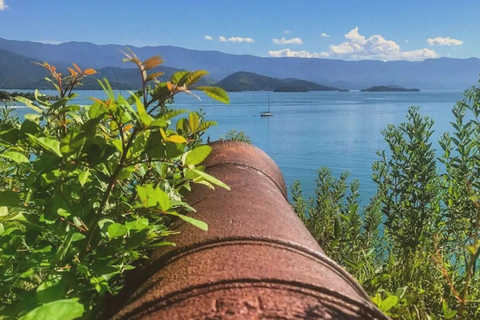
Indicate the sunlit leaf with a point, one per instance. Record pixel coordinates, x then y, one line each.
194 77
14 156
193 121
29 104
66 309
197 223
197 155
48 144
116 230
211 179
215 93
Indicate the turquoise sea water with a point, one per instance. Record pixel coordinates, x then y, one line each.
339 130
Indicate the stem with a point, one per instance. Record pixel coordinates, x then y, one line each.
110 186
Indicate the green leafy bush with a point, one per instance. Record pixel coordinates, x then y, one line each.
234 135
415 247
87 191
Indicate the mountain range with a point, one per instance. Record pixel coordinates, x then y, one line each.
441 73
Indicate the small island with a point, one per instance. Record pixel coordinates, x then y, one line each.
5 96
389 89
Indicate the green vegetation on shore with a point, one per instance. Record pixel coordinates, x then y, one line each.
87 192
415 247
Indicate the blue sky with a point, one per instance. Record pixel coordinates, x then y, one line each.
335 29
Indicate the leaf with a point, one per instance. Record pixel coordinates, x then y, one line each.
97 110
77 67
389 303
139 224
28 103
72 72
211 179
176 139
152 62
89 72
49 291
193 121
48 144
66 309
72 142
82 178
197 223
197 155
151 197
142 113
9 199
155 75
15 156
32 117
177 77
205 125
116 230
215 93
194 77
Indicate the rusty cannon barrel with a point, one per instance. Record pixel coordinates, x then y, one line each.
256 261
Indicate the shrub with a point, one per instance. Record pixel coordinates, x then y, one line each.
234 135
415 247
87 192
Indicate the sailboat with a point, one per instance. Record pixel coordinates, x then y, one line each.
267 113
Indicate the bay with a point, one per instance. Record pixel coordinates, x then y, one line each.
338 130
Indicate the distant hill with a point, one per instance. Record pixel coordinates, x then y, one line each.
20 72
389 89
295 85
249 81
442 73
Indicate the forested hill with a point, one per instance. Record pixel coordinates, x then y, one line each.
21 72
249 81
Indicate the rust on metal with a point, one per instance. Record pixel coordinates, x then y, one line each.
256 261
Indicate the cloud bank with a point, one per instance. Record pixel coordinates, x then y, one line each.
288 41
439 41
359 47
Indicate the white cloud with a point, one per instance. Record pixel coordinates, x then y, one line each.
49 41
406 41
439 41
358 47
240 39
287 41
207 37
297 54
3 5
287 31
325 35
236 39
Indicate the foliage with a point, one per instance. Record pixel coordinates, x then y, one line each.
86 192
234 135
415 247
